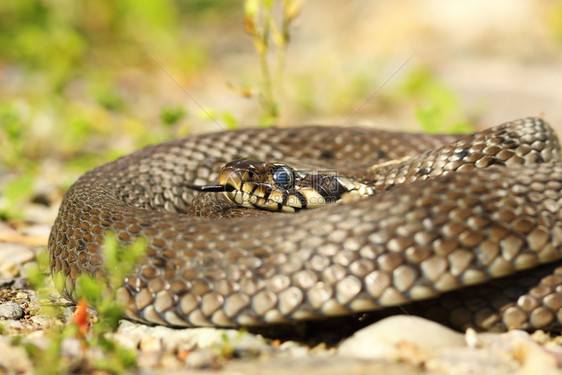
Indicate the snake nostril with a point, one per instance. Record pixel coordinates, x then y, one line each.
252 176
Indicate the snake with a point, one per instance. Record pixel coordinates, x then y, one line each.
469 227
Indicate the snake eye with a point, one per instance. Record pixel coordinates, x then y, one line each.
284 177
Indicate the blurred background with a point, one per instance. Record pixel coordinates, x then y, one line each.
83 82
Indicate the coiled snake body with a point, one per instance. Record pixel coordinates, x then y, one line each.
449 212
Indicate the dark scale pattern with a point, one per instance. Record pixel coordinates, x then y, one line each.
428 232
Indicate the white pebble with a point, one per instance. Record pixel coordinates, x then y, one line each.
387 338
10 310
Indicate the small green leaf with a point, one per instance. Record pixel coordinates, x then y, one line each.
14 194
229 120
110 99
19 189
89 288
171 116
267 121
207 114
59 280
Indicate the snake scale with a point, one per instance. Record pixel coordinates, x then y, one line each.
478 213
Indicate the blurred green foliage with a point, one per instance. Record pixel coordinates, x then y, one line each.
69 72
65 39
14 194
223 117
171 116
554 19
74 82
119 261
438 109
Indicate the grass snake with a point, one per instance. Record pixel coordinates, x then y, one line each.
478 215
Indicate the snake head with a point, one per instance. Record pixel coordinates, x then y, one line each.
276 186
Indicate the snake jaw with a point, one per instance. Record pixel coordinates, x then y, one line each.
241 198
355 190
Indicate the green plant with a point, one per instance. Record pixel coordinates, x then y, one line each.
69 85
100 295
260 22
119 261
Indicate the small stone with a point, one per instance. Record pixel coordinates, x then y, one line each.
12 326
35 308
294 349
487 353
10 310
533 357
41 342
148 359
242 343
150 344
72 348
35 335
202 359
248 345
130 343
9 269
43 321
14 359
169 361
21 283
393 337
540 337
15 253
22 295
6 281
468 360
67 314
39 230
